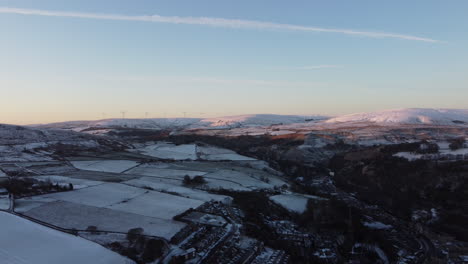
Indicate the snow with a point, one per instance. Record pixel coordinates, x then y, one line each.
377 225
165 150
156 204
158 185
408 116
127 198
25 204
25 242
77 183
116 166
4 202
241 181
100 195
185 123
294 202
170 151
2 174
154 170
253 120
215 153
78 216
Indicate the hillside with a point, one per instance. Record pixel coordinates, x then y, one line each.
408 116
185 123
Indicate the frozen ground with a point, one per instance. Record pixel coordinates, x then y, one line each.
159 185
78 216
165 150
116 166
25 242
155 170
215 153
100 195
241 180
61 180
4 202
294 202
157 204
124 198
443 150
218 175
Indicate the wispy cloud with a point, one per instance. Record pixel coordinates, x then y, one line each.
214 22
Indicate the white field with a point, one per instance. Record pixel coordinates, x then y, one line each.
219 179
25 242
155 170
157 204
116 166
294 202
165 150
78 216
215 153
100 195
25 204
158 185
4 202
2 174
236 180
443 150
170 151
62 180
126 198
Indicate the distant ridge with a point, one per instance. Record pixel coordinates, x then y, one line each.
188 123
411 116
408 116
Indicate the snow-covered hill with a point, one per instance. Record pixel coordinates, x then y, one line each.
19 143
408 116
257 120
186 123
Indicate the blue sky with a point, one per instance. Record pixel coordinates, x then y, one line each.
70 66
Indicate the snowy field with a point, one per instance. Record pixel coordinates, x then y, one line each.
157 204
160 170
215 153
217 175
240 180
78 216
159 185
124 198
2 174
294 202
100 195
61 180
112 204
116 166
25 242
444 150
164 150
4 202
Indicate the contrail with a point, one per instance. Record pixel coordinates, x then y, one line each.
211 21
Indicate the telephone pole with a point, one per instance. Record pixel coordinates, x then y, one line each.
123 114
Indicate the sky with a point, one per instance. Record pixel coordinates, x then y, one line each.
86 59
